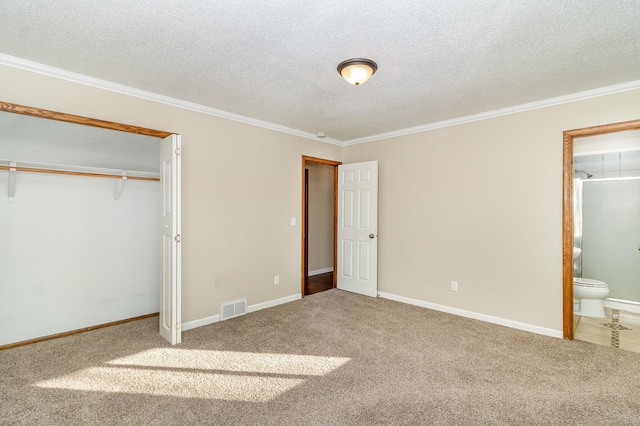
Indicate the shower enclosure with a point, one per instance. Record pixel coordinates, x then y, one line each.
607 229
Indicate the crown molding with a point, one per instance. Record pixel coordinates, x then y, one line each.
431 126
603 91
12 61
23 64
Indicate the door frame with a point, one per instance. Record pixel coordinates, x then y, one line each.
304 231
567 211
77 119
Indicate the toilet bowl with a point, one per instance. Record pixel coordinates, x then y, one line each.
591 293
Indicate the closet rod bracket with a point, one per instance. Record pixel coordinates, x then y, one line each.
12 181
120 185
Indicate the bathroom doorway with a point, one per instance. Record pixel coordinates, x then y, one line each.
602 162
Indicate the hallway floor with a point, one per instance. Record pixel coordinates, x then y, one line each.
318 283
615 331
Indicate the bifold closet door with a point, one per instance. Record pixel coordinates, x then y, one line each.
170 315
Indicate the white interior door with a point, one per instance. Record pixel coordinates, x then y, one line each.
358 228
171 260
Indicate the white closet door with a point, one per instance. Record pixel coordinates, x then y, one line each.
170 315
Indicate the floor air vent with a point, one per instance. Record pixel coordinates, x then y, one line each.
233 309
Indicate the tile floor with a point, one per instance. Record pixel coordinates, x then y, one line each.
616 330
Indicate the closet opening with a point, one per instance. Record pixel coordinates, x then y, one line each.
81 217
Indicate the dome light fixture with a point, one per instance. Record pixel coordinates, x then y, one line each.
357 70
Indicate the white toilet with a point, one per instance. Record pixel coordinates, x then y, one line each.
591 293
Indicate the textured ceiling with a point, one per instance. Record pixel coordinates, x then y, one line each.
276 61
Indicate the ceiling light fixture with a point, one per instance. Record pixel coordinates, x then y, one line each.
357 70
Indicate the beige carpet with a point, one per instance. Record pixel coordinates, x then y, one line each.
331 358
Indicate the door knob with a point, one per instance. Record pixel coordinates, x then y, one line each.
373 236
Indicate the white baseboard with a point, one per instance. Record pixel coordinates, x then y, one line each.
251 308
633 308
628 311
436 307
474 315
272 303
201 322
320 271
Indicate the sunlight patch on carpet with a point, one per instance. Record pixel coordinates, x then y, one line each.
179 384
181 373
245 362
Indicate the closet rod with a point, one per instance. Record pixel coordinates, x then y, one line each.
64 172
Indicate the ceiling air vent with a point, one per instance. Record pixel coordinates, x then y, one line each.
233 309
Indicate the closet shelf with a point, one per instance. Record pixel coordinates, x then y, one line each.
13 167
24 166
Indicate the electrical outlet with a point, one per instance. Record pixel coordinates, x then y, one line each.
454 285
276 279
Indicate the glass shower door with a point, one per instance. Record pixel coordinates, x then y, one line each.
611 235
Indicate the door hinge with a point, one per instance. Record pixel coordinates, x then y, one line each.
177 151
177 326
177 238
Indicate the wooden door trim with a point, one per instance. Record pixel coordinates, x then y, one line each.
306 159
77 331
305 220
77 119
567 211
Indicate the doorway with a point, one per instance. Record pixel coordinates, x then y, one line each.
319 224
568 213
174 140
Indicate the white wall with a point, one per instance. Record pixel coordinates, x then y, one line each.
609 142
72 256
320 217
481 203
39 140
